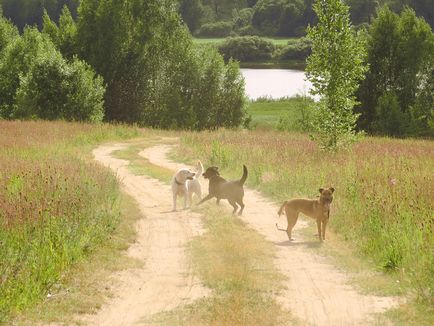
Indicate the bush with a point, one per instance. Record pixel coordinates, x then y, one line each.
298 50
36 82
217 29
54 89
247 48
16 61
248 30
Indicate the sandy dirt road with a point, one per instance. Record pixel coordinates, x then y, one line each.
317 292
165 281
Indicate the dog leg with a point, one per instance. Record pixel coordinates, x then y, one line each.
292 220
324 225
185 199
234 205
190 199
242 207
318 224
208 197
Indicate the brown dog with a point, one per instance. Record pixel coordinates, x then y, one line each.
221 189
318 209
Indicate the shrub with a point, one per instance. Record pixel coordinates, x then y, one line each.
16 61
298 50
247 48
36 82
54 89
248 30
217 29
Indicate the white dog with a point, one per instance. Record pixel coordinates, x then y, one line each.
193 186
185 183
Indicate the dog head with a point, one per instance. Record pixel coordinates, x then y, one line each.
326 196
184 175
210 172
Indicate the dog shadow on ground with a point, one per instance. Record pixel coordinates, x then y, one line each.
308 244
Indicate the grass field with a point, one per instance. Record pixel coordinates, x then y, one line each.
55 205
383 204
284 114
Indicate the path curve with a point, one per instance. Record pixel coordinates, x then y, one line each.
317 292
166 280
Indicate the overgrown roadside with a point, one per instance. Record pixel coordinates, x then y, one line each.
56 207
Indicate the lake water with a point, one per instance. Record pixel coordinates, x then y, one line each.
275 83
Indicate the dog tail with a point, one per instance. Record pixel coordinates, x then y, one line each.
199 169
280 212
244 177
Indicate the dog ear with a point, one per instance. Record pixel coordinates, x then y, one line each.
321 190
332 189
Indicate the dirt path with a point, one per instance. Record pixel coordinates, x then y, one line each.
165 281
316 291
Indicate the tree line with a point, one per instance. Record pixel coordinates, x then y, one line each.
128 61
230 17
279 17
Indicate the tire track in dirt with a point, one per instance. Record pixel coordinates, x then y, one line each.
316 292
166 280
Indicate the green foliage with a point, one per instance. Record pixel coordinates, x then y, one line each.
279 17
247 48
8 32
300 49
191 12
17 61
217 29
401 59
389 119
121 39
36 82
54 89
242 18
63 36
301 118
334 68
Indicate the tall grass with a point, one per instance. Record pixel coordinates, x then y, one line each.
384 190
54 206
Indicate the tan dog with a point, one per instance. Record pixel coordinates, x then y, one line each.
318 209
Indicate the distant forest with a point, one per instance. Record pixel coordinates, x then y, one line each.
220 18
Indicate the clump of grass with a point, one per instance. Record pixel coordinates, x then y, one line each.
383 202
55 207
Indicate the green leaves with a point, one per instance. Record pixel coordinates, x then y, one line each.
37 82
401 59
335 68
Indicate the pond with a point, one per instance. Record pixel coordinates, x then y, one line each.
275 83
